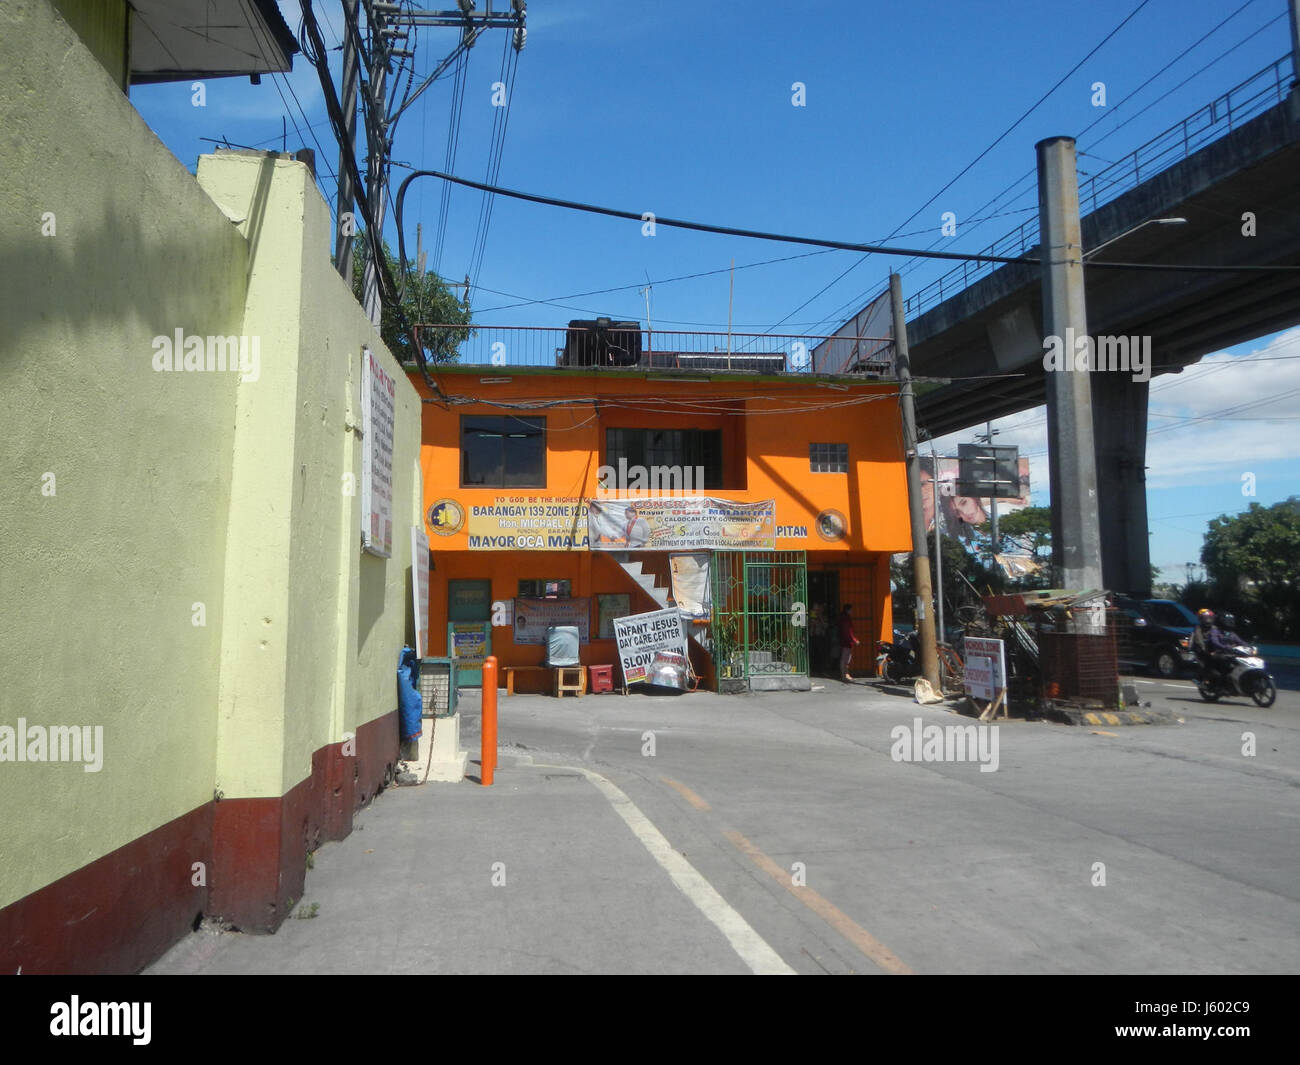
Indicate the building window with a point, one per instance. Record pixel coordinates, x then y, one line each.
693 453
502 452
828 458
545 589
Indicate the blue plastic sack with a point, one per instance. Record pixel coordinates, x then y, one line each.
410 706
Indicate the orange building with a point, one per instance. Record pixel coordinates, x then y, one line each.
516 460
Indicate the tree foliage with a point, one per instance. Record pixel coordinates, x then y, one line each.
956 592
427 299
1030 529
1252 560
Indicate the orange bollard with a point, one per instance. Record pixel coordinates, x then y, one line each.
488 749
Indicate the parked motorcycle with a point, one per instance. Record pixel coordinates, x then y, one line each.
901 659
1248 675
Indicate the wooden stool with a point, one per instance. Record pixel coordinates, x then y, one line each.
570 679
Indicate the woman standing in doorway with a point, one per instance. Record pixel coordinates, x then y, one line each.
848 640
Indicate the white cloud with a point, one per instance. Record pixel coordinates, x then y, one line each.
1226 415
1189 442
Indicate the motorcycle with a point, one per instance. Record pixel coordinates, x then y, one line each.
901 659
1248 675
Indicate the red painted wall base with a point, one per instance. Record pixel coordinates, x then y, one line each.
124 910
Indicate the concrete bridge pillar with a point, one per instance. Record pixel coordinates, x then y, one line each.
1076 537
1119 417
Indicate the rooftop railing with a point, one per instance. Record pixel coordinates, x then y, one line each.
627 346
1217 118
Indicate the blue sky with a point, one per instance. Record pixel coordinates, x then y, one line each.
686 110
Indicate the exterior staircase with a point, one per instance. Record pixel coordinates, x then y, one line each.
649 583
763 673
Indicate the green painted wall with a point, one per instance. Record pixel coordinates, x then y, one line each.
319 621
99 579
173 488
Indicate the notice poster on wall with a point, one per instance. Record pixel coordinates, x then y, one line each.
420 590
609 607
468 642
534 616
378 406
642 636
693 523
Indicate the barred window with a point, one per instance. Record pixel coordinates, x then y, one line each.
828 458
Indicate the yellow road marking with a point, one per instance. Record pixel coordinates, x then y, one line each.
823 908
687 794
1103 732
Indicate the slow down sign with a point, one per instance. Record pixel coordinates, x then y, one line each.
641 636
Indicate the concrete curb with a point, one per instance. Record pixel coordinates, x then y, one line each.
1071 715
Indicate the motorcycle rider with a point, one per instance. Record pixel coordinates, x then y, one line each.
1228 626
1212 646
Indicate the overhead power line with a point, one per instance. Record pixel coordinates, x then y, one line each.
966 169
784 238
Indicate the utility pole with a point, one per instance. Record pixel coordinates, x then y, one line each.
388 22
1076 531
915 504
347 226
377 140
989 434
938 539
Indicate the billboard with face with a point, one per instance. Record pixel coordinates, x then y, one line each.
962 513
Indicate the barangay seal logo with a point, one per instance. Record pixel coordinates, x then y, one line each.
446 517
831 525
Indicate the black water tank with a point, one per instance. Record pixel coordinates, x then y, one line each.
602 342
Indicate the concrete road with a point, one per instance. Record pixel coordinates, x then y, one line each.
783 832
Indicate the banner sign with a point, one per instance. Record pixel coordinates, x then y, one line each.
691 586
986 670
688 524
534 616
378 406
528 523
641 636
420 590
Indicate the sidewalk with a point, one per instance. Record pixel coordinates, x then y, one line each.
412 890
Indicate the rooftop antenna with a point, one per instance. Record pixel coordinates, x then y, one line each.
649 325
731 297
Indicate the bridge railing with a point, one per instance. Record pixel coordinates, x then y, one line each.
1217 118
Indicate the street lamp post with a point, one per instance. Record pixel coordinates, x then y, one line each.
1142 225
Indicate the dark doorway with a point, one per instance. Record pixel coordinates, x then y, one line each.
823 610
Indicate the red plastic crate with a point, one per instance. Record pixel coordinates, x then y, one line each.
602 678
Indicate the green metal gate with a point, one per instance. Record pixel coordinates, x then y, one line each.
760 614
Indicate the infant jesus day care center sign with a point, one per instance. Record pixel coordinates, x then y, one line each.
642 636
